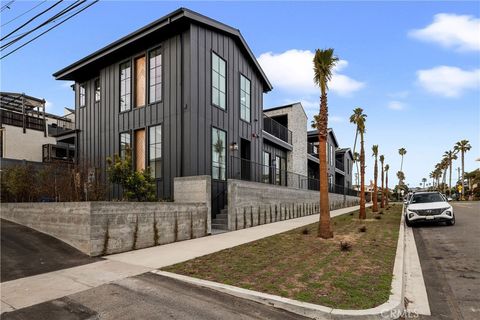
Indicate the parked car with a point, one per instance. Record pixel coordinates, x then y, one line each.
428 206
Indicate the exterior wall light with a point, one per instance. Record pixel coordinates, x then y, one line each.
233 146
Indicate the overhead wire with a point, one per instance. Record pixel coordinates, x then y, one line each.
48 30
21 15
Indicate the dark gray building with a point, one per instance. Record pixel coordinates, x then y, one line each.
185 94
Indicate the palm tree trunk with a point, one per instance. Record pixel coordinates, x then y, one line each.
386 188
450 178
324 227
382 204
363 213
463 175
401 164
375 187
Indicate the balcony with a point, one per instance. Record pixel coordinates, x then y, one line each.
339 165
17 119
312 149
58 153
276 129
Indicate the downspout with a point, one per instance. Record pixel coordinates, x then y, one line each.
181 105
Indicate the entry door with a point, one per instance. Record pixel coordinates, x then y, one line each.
140 150
245 159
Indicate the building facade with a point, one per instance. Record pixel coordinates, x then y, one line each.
185 95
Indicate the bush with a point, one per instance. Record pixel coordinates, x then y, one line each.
305 231
378 217
345 246
136 185
362 229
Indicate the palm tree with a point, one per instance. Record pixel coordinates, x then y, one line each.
387 167
462 147
375 176
358 118
402 152
323 63
424 180
356 159
444 168
450 155
382 160
357 112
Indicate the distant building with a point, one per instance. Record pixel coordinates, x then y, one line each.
29 133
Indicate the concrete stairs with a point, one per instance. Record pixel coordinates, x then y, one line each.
221 220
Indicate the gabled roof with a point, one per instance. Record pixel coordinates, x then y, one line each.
166 24
345 150
313 133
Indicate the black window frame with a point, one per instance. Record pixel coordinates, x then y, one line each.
249 120
150 51
213 52
161 152
226 155
266 167
130 94
82 96
97 93
121 151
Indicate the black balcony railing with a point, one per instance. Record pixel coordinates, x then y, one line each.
339 165
16 119
276 129
248 170
58 153
312 149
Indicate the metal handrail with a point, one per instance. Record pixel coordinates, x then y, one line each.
276 129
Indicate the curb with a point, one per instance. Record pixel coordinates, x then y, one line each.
392 309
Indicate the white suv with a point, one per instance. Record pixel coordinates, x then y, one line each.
428 206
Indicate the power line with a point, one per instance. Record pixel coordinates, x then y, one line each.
21 15
46 31
35 17
7 5
52 19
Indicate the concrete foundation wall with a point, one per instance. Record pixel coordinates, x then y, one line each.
251 203
97 228
195 189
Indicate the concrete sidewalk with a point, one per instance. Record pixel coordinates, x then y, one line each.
28 291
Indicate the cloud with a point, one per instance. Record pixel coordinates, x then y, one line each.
396 105
48 105
460 32
292 71
399 95
448 81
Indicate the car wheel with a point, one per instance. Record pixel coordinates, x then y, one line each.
409 224
451 222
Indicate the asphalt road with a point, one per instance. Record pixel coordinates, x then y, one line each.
149 296
450 259
26 252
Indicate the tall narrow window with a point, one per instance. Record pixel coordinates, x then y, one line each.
140 150
244 98
140 81
125 86
97 90
278 171
219 81
155 76
155 151
82 95
125 144
218 154
266 167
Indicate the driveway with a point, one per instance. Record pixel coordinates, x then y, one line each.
149 296
26 252
450 259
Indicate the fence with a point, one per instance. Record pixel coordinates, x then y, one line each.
276 129
247 170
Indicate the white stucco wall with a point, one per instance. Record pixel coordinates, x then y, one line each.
24 146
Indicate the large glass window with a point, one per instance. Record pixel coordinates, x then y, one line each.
266 167
244 98
219 75
125 86
218 154
97 90
125 144
82 95
155 76
155 151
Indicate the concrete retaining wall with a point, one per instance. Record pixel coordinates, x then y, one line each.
97 228
252 203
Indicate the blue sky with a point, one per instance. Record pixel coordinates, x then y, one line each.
413 67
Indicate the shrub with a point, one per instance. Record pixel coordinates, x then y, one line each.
305 231
378 217
18 184
362 229
136 185
345 246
